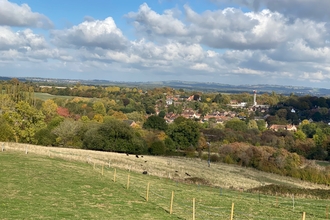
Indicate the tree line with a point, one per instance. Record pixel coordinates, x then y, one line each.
125 120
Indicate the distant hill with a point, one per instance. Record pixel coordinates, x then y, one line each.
194 86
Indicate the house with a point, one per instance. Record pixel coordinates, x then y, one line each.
190 98
131 123
169 101
283 127
170 117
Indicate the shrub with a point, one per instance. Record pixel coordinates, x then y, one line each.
157 148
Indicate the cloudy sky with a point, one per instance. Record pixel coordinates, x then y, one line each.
283 42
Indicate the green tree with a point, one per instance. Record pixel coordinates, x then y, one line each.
136 116
157 148
113 135
99 108
299 135
67 132
155 122
218 98
45 136
252 124
282 113
236 124
184 134
309 129
162 114
261 125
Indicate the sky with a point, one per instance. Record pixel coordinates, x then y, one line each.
237 42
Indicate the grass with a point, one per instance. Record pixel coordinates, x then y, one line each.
35 187
39 187
323 163
46 96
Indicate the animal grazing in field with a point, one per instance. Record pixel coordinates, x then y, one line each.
145 172
137 156
127 154
188 174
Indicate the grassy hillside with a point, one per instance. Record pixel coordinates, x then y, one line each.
35 187
60 187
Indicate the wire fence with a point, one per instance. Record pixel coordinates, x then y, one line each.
194 201
215 205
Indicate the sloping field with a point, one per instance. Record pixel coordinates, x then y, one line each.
175 168
56 183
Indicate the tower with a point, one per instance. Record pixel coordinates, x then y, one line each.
254 97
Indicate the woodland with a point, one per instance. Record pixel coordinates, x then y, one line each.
134 121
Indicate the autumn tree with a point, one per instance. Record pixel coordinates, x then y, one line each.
25 121
49 109
7 132
99 108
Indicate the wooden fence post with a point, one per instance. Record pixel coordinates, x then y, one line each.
128 181
194 208
293 201
114 176
147 196
171 206
303 216
276 200
232 211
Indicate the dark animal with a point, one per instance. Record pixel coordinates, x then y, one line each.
145 161
141 156
137 156
176 171
188 174
145 172
127 154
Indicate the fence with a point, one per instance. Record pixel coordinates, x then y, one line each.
190 201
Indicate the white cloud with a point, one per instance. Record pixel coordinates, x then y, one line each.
315 76
311 9
91 34
299 51
263 46
12 14
24 39
228 29
153 24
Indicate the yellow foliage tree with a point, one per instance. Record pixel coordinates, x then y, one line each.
119 115
98 118
49 108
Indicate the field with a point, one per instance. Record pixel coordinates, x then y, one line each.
46 96
55 183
